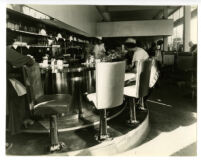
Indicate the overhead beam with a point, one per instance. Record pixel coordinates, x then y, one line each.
135 28
171 9
132 8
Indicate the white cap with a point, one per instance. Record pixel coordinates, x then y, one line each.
100 38
131 40
59 35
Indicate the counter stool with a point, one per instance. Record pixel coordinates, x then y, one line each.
139 90
45 105
109 92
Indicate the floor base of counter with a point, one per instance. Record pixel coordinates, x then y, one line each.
82 141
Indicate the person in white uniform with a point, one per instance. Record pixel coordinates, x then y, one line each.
99 50
138 53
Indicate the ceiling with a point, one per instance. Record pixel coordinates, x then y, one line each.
130 13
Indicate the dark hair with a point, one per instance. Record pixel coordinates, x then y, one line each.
159 42
10 38
139 44
130 45
153 45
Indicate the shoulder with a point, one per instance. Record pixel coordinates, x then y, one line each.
141 51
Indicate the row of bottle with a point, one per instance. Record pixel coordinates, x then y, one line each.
53 61
19 26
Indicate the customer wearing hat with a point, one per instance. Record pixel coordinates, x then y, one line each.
138 53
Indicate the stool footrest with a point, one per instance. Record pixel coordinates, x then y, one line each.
57 147
133 122
102 138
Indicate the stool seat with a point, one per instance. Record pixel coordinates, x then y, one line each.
130 91
92 98
52 104
129 76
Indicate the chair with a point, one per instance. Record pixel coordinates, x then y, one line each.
45 105
140 89
109 91
168 61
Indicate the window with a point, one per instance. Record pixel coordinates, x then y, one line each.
193 8
194 28
194 25
181 12
176 15
171 16
175 42
31 12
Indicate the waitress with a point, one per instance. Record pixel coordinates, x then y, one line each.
99 50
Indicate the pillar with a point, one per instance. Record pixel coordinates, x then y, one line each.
165 38
187 25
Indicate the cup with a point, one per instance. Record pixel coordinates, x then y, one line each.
45 63
59 63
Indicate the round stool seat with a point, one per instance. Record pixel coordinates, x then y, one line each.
52 104
130 91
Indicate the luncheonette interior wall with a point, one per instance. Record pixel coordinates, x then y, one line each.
135 28
87 18
82 17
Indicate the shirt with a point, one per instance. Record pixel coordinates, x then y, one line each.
99 51
140 54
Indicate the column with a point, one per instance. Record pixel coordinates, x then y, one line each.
165 38
187 25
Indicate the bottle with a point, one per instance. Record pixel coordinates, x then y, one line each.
52 62
45 61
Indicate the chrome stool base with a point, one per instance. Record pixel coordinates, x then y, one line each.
103 138
57 147
132 123
142 109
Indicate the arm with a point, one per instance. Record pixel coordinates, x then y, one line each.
16 59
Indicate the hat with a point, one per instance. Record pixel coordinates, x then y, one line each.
130 40
100 38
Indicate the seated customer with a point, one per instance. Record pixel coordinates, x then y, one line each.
193 48
15 109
